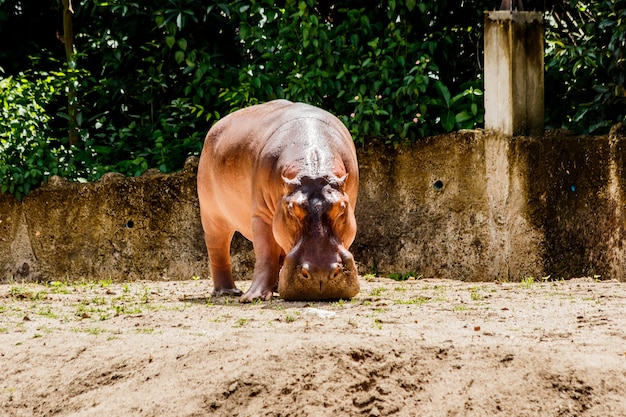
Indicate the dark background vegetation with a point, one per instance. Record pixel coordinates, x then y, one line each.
148 78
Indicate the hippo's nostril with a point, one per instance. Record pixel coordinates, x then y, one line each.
305 271
336 270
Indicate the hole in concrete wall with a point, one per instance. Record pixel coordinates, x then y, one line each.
438 185
130 224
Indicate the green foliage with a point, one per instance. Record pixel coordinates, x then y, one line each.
28 150
372 67
586 66
151 77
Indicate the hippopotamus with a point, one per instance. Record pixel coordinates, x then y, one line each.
284 175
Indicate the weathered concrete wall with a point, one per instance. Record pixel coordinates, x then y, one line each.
472 205
449 207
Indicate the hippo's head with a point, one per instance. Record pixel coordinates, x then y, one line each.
314 224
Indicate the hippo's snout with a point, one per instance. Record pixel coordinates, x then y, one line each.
308 280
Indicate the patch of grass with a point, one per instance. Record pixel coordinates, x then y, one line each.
99 301
145 330
289 318
45 329
475 294
47 312
58 287
94 330
527 283
19 292
378 291
144 298
105 283
415 300
39 295
339 303
369 277
241 322
400 288
126 309
403 276
460 307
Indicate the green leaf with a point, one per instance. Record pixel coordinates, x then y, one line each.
448 120
443 91
463 116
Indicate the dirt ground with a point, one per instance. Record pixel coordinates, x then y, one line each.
414 348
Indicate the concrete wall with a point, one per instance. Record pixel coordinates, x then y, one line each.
471 205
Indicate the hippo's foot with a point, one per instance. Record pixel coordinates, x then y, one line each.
254 294
220 292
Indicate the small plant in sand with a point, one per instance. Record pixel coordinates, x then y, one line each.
47 312
419 300
377 324
527 283
378 291
400 288
241 322
105 283
58 287
145 330
95 331
475 294
369 277
339 303
404 276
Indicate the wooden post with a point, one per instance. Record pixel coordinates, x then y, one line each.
514 90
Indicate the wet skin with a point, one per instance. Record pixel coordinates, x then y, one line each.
285 176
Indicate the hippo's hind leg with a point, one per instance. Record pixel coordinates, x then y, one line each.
217 239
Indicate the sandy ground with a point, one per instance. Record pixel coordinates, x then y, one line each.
414 348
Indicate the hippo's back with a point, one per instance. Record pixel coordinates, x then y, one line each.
248 143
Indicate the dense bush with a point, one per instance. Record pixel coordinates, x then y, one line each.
586 65
28 152
151 77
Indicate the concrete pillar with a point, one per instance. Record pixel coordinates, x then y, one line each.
514 72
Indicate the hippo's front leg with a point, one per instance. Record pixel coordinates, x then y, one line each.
267 264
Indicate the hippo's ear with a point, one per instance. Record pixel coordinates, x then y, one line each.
339 182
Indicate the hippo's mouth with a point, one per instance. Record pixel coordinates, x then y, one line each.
318 284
